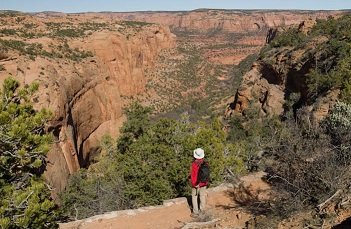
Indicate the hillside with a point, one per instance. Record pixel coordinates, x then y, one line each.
303 68
302 79
214 48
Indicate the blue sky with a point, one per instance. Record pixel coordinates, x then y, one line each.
170 5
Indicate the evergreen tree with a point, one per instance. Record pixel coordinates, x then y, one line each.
25 201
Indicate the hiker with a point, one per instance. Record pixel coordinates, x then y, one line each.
199 179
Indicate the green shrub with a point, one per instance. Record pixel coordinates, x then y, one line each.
333 27
328 66
291 37
137 24
32 49
8 32
338 123
30 25
35 49
150 163
69 32
319 82
25 201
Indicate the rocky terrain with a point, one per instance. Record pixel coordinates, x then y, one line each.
90 65
85 67
280 75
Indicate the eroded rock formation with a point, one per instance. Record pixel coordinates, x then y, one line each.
279 73
91 97
85 96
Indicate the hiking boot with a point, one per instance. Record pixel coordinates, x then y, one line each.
194 215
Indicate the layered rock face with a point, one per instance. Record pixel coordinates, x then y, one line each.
93 103
86 96
236 33
225 20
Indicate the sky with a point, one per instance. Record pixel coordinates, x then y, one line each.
72 6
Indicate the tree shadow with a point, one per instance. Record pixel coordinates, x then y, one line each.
346 224
249 200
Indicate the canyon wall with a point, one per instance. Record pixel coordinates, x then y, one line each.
86 97
235 21
92 98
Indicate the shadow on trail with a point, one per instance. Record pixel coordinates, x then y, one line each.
346 224
249 200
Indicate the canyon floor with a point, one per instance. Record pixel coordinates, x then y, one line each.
226 208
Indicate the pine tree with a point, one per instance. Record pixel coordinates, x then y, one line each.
25 201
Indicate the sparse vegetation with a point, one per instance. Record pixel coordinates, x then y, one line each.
30 49
134 24
68 33
9 13
305 164
193 85
35 49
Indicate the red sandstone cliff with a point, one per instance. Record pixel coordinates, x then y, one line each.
86 97
225 20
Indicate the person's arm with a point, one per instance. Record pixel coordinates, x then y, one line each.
189 177
194 172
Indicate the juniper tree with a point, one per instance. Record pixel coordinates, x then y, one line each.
25 200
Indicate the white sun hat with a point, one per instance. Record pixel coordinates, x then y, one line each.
199 153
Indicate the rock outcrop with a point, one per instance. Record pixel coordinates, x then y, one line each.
255 88
279 74
91 98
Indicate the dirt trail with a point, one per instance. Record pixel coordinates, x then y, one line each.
222 206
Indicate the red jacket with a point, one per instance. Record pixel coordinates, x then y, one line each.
194 171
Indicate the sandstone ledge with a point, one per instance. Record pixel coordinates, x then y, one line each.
169 206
